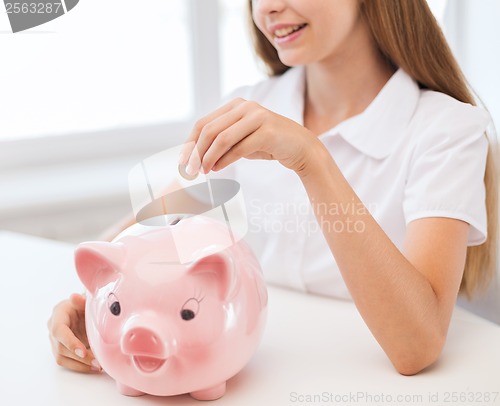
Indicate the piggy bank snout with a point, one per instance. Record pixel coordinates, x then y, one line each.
144 341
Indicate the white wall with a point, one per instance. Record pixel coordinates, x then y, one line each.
473 29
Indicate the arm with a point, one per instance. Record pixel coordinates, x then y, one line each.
406 298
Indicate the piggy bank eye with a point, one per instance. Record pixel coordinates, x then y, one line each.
115 308
190 309
187 314
114 305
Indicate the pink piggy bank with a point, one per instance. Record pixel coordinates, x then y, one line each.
163 327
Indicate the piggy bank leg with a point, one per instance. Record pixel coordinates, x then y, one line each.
215 392
128 391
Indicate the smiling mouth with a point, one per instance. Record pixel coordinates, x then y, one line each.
285 32
148 364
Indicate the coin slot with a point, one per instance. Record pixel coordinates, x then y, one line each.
175 221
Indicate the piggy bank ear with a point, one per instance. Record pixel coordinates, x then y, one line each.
218 269
97 263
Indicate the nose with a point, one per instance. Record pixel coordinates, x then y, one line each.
265 7
142 341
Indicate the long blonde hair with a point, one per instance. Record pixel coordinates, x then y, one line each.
408 36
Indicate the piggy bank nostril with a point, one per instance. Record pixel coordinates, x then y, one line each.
143 341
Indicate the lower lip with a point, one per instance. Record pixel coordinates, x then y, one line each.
148 364
289 38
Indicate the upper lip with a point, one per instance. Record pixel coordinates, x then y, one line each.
275 27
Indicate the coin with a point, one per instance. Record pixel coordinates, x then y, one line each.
184 174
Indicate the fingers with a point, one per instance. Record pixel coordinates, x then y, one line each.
234 141
198 128
248 148
76 361
76 365
211 117
220 138
70 344
68 350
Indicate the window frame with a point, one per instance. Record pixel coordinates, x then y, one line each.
24 162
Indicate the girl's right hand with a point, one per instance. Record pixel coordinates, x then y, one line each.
68 336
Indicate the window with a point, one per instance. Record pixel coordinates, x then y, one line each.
238 63
105 64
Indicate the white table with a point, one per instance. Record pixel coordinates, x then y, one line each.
312 346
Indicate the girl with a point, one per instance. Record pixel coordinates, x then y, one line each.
368 121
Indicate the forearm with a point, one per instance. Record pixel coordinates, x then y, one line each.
396 301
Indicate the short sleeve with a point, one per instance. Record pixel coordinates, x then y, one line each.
446 173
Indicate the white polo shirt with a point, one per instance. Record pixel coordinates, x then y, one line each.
411 154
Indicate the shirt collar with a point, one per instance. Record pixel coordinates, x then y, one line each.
377 129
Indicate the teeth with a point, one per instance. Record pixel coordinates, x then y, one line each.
283 32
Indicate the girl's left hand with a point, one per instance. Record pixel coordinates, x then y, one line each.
245 129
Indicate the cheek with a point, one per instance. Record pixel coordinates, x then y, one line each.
259 22
341 21
204 329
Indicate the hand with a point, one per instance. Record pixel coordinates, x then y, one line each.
68 337
245 129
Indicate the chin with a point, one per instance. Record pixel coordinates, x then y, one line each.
291 61
294 58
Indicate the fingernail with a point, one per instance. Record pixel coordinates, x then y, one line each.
95 365
190 170
79 352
